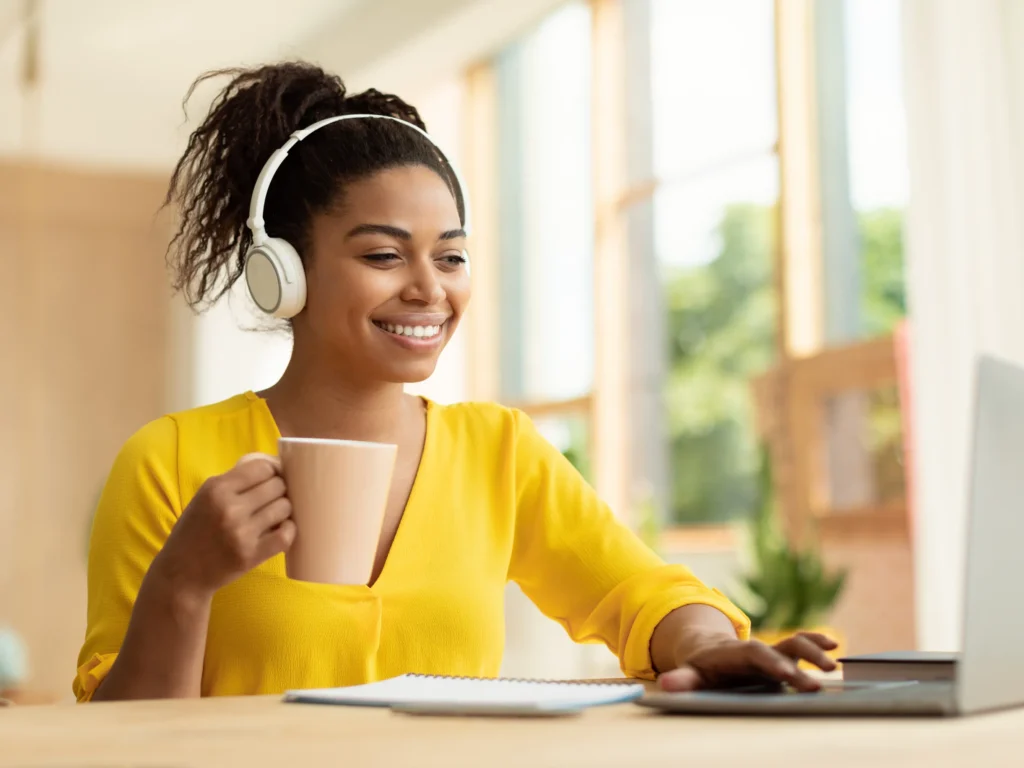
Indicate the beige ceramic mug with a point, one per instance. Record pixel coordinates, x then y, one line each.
339 491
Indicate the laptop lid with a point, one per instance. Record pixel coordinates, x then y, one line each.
990 674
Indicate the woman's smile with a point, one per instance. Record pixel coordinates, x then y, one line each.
422 333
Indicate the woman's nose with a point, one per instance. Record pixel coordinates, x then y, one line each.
424 284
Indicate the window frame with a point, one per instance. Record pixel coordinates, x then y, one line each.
798 258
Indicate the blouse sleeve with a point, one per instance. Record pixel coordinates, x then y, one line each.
137 509
585 569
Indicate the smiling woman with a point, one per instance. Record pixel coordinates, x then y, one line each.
362 251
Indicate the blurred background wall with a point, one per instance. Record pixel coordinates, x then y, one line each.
711 239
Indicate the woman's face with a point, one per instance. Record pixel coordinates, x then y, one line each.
386 278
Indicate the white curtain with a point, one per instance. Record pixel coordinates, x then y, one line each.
964 71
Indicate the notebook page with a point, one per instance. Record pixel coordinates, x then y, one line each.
412 689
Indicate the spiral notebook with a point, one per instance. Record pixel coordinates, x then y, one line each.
469 696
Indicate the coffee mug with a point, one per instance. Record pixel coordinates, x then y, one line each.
339 491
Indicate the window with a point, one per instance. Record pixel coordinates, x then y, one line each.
864 188
546 328
707 293
702 242
535 177
863 166
879 183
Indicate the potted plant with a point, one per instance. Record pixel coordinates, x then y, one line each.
787 589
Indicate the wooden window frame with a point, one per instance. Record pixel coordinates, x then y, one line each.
797 257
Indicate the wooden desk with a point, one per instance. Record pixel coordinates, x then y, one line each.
262 731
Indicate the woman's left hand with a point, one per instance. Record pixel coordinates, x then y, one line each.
725 662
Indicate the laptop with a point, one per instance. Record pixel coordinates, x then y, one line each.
989 671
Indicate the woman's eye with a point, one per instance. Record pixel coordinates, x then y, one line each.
381 258
455 259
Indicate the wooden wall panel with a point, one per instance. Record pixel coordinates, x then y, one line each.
85 352
876 611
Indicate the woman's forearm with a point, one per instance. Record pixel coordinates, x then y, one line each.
163 650
684 631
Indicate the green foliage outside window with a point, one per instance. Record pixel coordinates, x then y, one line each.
721 330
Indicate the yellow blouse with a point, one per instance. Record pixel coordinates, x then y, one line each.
492 501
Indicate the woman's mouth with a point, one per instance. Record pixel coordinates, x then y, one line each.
425 332
422 338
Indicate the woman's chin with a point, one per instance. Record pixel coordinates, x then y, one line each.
412 374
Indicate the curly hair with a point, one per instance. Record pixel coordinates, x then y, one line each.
250 118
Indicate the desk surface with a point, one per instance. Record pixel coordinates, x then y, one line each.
260 731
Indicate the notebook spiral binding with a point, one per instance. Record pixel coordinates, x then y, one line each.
529 680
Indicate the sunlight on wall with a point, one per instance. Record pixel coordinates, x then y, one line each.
228 358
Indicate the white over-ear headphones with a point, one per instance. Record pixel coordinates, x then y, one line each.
273 270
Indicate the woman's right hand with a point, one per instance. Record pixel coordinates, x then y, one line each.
235 521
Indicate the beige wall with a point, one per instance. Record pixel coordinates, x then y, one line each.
876 611
85 353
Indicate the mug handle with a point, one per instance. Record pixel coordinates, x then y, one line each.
275 460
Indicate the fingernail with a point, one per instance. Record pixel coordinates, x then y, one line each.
681 679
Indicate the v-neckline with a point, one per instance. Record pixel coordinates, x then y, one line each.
417 481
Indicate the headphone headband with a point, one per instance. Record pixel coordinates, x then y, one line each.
256 223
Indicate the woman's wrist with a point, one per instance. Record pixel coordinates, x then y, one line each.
171 588
685 631
690 642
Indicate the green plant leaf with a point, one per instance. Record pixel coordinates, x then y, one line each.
787 589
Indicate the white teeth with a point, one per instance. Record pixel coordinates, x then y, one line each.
414 331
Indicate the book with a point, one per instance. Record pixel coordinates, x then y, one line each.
899 665
426 694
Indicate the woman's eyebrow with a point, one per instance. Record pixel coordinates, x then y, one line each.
398 232
379 229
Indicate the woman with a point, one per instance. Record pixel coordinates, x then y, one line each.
187 589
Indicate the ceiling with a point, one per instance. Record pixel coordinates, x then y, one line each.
163 41
112 73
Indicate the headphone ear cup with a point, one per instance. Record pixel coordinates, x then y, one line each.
276 278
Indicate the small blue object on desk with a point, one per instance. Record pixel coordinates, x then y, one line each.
473 697
13 660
